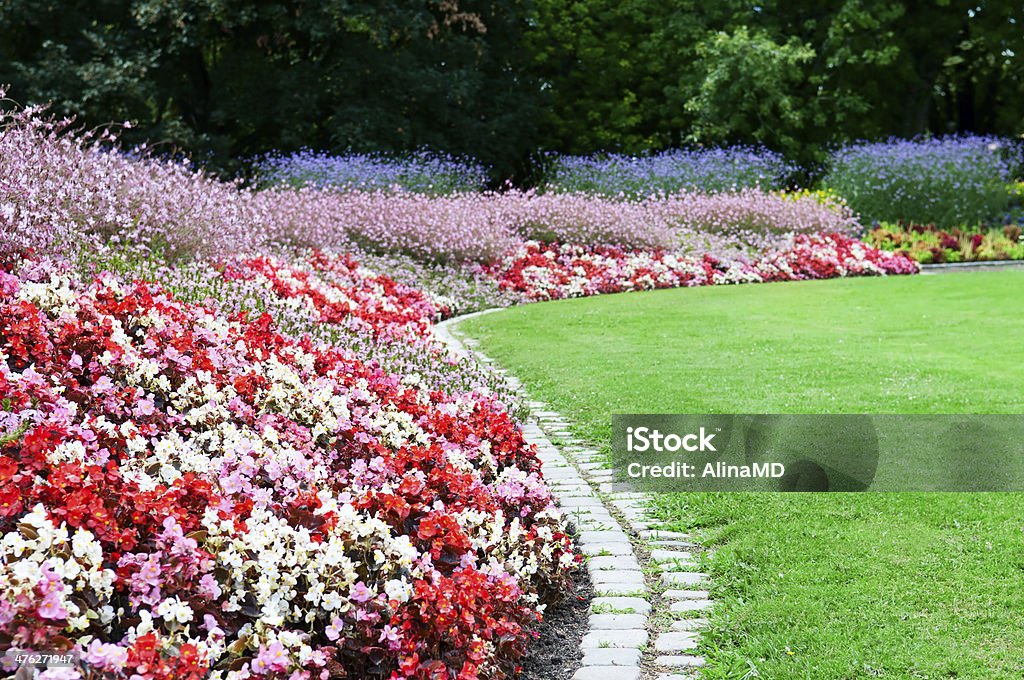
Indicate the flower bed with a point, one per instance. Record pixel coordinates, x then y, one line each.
951 181
70 195
552 271
421 172
265 465
182 491
928 244
668 172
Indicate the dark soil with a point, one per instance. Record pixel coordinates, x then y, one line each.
556 655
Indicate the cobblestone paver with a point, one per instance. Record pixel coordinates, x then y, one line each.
650 598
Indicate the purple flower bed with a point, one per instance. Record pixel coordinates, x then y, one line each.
421 172
949 181
668 172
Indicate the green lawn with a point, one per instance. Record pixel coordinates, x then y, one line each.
814 586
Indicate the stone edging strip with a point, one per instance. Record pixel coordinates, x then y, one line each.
635 568
968 266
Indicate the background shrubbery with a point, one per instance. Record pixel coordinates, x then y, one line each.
505 79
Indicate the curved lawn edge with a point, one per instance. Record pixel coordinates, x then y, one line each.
637 569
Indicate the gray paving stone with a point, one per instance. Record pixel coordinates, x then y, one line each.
593 514
611 567
683 606
683 578
660 535
617 621
620 605
607 549
604 537
689 624
591 465
662 555
677 641
606 563
616 576
570 487
580 502
685 595
555 473
584 524
669 543
679 661
602 639
620 590
607 673
592 522
611 657
589 457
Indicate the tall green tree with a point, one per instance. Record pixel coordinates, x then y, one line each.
791 74
239 77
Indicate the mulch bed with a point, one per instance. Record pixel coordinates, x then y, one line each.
557 655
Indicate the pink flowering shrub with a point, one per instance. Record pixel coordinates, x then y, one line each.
683 219
186 493
60 190
62 193
552 271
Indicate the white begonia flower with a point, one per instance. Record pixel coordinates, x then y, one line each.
397 589
331 601
173 609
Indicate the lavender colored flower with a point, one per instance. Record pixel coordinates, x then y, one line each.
668 172
949 181
424 172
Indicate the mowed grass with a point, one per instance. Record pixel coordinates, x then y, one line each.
814 586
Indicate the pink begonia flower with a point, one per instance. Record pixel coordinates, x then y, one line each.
360 593
51 608
149 574
106 656
208 586
232 484
273 658
333 631
145 407
210 624
390 634
103 385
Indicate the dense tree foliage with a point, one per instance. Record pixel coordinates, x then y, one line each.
498 79
237 78
792 74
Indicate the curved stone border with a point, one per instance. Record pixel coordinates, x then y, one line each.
635 567
971 266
